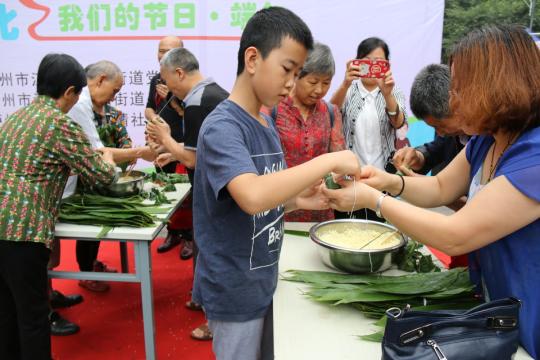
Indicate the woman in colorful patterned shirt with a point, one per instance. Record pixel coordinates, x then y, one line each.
308 126
39 145
113 123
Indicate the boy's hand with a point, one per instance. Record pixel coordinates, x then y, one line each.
312 198
347 163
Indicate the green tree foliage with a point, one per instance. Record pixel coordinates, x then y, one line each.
462 16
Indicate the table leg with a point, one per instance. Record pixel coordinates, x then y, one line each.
124 262
143 264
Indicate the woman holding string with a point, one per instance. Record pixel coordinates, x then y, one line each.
495 95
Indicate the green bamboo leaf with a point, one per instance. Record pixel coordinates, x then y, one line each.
344 296
104 231
297 233
375 337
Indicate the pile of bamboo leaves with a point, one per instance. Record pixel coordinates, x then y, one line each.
91 209
372 295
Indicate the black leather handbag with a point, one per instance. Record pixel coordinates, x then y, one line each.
488 331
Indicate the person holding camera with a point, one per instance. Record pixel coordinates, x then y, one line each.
372 108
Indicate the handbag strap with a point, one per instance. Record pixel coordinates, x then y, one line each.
397 313
492 323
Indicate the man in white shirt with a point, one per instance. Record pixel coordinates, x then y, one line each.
105 79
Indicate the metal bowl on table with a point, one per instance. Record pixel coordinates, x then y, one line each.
127 184
356 261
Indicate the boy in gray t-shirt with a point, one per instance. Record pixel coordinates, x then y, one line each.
242 190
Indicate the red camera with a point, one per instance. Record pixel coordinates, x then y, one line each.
372 68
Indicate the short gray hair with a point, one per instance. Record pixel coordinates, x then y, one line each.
319 61
180 58
103 67
429 92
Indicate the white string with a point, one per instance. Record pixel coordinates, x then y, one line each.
354 200
164 106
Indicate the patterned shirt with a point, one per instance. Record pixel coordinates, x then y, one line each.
38 146
303 140
116 120
355 103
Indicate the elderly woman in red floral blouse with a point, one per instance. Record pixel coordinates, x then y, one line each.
308 126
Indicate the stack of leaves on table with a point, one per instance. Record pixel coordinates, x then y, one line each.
372 295
108 212
91 209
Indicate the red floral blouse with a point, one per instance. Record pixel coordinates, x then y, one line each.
303 140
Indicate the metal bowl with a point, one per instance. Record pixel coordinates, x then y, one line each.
356 261
128 188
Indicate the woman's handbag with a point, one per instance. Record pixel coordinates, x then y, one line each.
488 331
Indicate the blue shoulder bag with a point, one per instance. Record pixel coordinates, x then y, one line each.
488 331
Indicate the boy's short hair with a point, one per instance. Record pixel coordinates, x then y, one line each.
57 72
266 29
430 92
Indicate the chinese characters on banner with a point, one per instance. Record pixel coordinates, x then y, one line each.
108 17
77 19
127 32
18 88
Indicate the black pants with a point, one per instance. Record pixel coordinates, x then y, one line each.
170 168
361 214
86 252
24 303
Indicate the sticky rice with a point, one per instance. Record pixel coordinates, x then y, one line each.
356 238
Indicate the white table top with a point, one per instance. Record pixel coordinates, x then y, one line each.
304 329
122 233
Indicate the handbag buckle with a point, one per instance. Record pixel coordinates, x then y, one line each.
414 335
501 322
394 312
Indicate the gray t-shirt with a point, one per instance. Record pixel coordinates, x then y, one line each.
237 266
